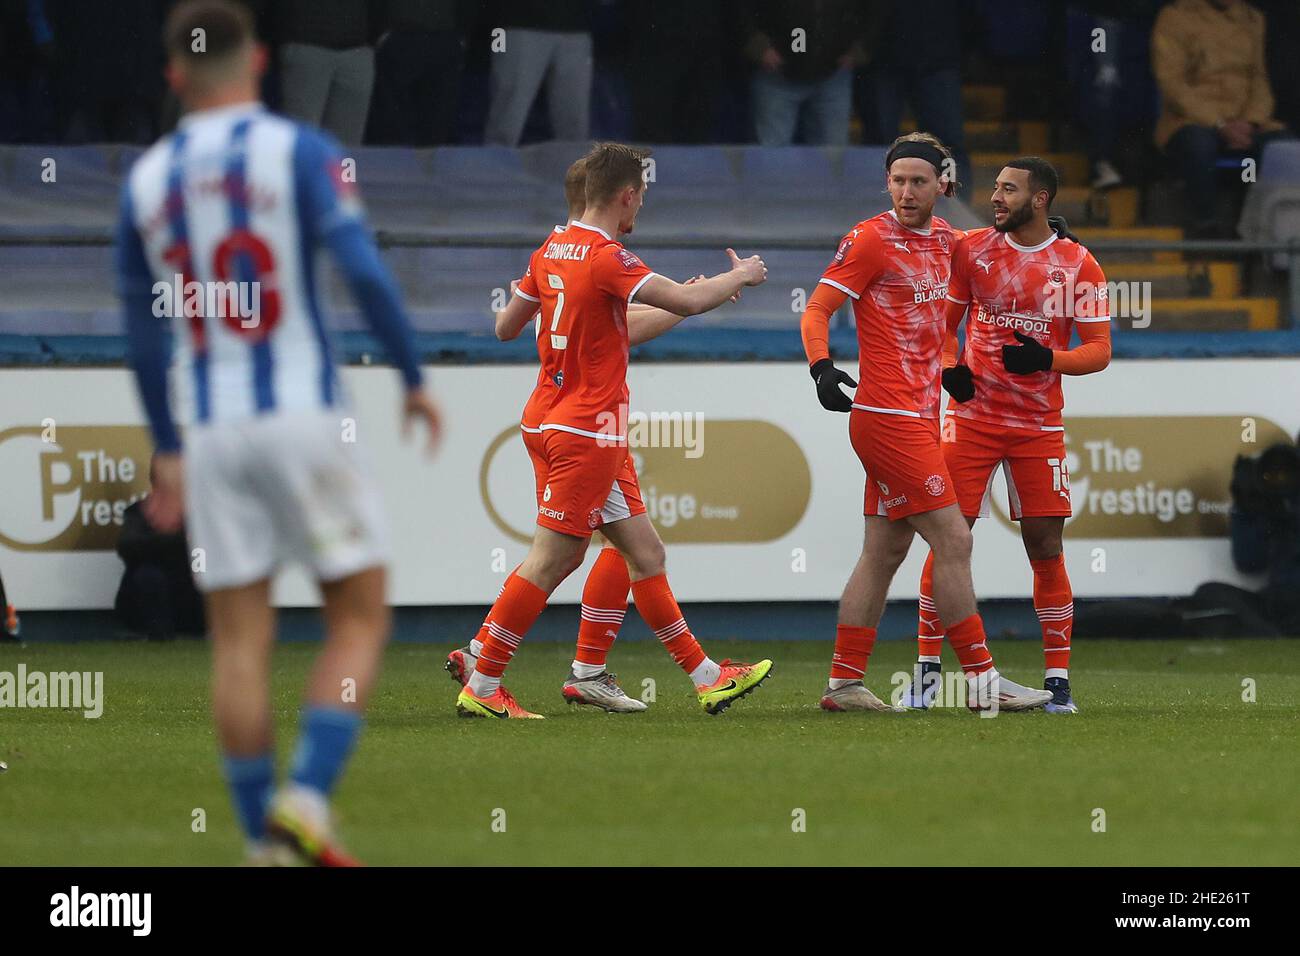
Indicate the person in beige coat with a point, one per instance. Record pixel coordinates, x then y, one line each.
1208 58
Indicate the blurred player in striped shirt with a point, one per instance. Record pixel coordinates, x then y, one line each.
1027 288
895 267
234 206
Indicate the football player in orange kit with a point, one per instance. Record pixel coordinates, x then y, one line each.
605 593
895 267
1027 287
584 280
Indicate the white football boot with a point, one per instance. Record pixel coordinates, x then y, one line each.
991 691
601 691
854 696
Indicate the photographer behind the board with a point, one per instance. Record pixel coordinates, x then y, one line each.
1265 529
157 596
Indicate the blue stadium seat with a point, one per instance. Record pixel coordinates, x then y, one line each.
389 164
1280 162
694 172
548 162
863 170
789 172
482 172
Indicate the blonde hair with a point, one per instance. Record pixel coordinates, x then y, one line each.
575 186
947 168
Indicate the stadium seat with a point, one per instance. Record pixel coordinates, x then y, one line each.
790 172
481 172
388 165
694 172
547 163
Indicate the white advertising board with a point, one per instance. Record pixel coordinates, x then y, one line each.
754 487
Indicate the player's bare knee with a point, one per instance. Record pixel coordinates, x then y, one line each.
954 544
571 563
649 560
1043 548
1042 538
894 553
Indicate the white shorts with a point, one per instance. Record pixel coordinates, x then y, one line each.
276 489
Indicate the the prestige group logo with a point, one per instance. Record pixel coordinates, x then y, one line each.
1150 476
67 486
750 482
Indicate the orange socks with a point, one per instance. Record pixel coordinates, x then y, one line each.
515 611
852 649
604 602
1054 603
968 641
929 629
658 608
478 640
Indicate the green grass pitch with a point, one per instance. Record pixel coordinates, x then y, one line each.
1185 771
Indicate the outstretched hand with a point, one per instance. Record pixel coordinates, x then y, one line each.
753 270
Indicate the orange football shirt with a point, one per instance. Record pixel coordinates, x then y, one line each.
897 278
583 281
1039 291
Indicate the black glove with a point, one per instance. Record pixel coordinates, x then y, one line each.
1061 228
828 379
1028 357
959 383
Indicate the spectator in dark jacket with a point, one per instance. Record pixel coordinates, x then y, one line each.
157 596
918 61
674 69
107 65
805 52
418 64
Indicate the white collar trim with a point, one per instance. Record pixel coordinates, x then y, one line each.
1038 248
919 232
582 225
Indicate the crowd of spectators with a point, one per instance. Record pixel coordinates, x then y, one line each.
1200 83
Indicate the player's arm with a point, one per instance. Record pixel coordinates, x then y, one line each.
519 311
956 376
333 214
1092 354
375 291
148 336
814 328
149 349
1091 318
954 312
692 298
645 322
858 259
